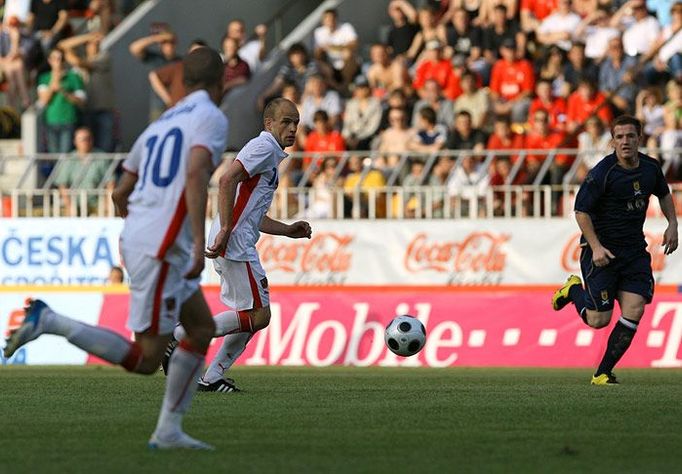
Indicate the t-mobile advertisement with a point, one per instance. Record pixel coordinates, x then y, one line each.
344 326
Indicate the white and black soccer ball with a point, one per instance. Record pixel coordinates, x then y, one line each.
405 335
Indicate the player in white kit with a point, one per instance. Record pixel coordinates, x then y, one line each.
162 195
245 194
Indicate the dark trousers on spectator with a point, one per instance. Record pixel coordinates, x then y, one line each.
59 138
101 123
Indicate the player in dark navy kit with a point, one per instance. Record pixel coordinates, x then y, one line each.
610 209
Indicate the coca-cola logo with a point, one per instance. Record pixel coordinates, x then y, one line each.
570 254
326 252
479 252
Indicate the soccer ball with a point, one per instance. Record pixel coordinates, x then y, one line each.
405 335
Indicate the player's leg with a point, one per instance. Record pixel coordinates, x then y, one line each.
244 286
185 367
103 343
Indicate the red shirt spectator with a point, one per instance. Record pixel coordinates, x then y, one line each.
555 108
433 67
322 138
509 79
583 102
539 8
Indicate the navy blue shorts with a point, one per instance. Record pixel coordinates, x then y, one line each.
630 271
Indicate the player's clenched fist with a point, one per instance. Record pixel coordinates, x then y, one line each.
299 230
219 244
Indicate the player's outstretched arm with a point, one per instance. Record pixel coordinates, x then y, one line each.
122 191
227 188
600 254
199 172
670 234
297 230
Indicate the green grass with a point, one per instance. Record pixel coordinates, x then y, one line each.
97 420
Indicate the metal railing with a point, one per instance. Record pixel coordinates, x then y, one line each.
28 185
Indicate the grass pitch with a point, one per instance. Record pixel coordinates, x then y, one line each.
97 420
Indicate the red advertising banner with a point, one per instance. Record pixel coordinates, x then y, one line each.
477 328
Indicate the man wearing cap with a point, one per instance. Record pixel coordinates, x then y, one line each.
511 83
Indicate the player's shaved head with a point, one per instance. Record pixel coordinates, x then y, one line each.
276 106
203 67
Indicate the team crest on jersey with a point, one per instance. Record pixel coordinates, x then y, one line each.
264 283
636 187
604 297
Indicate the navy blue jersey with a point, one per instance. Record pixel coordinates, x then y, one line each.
617 199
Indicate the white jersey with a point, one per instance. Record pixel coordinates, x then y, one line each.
157 222
261 158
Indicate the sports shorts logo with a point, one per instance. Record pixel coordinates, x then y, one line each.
604 297
264 283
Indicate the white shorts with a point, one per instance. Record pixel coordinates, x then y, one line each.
157 292
243 285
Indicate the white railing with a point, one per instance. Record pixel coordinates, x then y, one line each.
25 193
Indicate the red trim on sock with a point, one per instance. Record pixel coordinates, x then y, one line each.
186 345
132 360
158 295
254 288
190 380
244 322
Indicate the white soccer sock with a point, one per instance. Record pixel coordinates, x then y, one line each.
181 383
232 347
227 322
101 342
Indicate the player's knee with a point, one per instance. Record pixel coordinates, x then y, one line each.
599 320
260 320
147 366
202 334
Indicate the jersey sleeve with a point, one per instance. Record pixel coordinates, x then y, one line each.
210 132
255 158
132 162
661 189
589 193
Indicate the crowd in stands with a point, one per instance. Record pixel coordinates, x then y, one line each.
473 75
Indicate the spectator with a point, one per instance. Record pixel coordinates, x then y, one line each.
595 32
503 138
554 106
502 30
385 75
500 176
317 97
558 28
534 11
394 140
578 67
541 137
480 13
252 51
511 84
585 7
167 81
640 30
431 97
61 93
583 103
362 116
365 179
466 185
14 48
463 38
666 52
322 139
593 144
155 51
671 139
438 180
48 21
474 100
662 9
396 100
83 171
237 70
616 77
413 202
99 17
335 44
552 67
428 136
464 136
296 71
432 66
16 11
322 206
430 31
403 28
95 66
116 276
650 111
